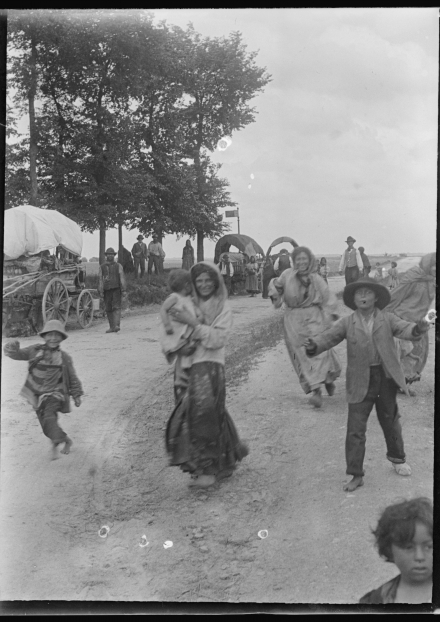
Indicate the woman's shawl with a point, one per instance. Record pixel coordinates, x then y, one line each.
214 306
289 286
412 298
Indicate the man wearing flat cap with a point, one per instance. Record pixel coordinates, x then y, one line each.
140 254
112 286
351 262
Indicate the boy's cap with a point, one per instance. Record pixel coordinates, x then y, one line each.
140 237
54 325
382 292
350 239
110 251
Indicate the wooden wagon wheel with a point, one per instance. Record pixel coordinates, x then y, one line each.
84 308
55 305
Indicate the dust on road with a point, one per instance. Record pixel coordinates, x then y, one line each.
319 546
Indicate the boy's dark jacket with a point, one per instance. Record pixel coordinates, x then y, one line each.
386 325
72 384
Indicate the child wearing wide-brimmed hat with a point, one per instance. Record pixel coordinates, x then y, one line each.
51 380
373 370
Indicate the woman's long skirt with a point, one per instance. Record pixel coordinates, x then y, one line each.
201 437
299 324
251 284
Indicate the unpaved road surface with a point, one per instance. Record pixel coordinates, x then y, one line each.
319 547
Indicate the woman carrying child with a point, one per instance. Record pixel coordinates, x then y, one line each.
404 537
201 437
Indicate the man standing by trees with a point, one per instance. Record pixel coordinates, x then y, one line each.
112 286
140 254
156 254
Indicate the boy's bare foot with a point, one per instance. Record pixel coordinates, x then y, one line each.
67 445
356 482
54 453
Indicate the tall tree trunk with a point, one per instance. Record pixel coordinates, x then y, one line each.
200 238
120 249
33 146
102 231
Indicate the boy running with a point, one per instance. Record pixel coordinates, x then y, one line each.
50 381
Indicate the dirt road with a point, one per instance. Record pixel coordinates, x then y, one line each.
319 546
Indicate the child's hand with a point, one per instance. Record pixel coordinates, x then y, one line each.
170 331
309 345
12 346
77 401
423 326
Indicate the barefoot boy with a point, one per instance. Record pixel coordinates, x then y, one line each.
50 381
373 371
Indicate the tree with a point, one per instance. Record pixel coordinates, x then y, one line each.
221 78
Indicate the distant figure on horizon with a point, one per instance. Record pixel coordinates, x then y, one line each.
140 255
187 256
156 255
351 262
394 275
323 269
365 261
379 271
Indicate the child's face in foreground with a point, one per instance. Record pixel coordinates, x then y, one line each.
414 560
365 298
53 339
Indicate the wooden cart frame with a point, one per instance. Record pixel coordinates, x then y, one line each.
42 296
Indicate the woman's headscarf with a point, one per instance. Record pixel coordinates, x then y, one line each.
212 307
312 267
411 299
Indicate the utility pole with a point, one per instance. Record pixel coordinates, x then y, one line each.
238 221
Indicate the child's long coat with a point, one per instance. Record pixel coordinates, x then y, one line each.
386 325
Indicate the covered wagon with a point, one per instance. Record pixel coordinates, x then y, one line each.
43 277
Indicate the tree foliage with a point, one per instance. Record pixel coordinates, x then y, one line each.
128 111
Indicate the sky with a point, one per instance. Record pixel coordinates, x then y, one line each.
345 136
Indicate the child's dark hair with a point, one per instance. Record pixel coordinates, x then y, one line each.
397 524
323 260
178 278
393 264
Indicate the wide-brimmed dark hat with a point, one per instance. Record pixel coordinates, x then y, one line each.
110 251
350 239
382 292
140 237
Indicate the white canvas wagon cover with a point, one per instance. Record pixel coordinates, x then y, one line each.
29 230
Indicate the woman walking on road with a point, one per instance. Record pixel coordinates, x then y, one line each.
251 285
187 256
310 309
201 437
411 300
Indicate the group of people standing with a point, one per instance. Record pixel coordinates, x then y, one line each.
153 254
355 263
